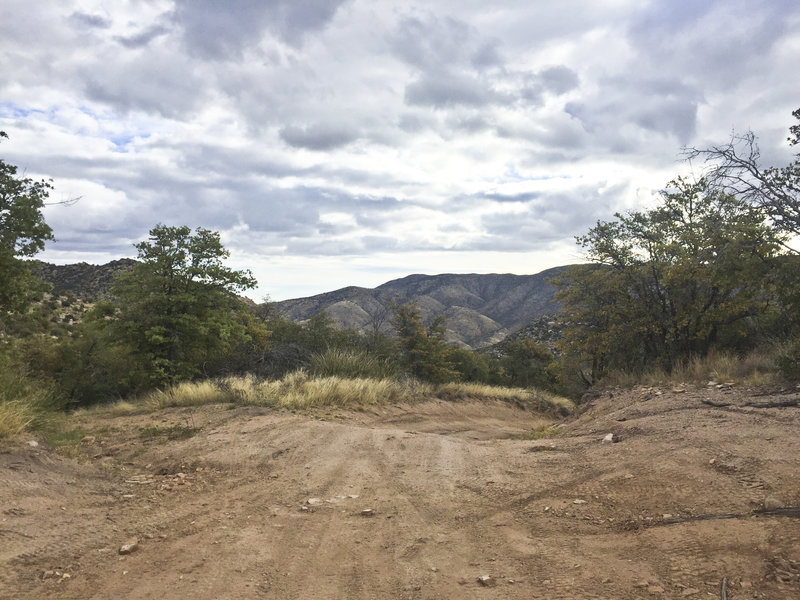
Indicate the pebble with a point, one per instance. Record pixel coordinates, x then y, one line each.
33 444
610 437
367 512
130 546
579 501
487 581
690 592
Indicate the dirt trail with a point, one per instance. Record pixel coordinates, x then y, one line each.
412 502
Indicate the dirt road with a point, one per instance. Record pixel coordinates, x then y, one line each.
413 502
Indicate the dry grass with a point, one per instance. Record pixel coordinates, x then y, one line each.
530 399
16 417
300 390
188 393
756 368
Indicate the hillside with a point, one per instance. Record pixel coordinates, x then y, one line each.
83 280
480 309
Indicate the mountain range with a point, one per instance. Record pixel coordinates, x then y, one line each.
479 310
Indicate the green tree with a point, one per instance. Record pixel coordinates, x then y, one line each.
528 363
23 232
425 354
178 305
670 282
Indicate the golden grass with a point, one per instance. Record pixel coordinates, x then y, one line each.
300 390
531 399
16 416
188 393
755 368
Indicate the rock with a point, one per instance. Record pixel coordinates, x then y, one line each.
655 589
689 592
132 545
367 512
313 501
33 444
487 581
579 501
772 503
48 574
88 439
611 437
712 461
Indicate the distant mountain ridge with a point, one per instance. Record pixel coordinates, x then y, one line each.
480 310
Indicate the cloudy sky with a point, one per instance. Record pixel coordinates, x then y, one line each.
349 142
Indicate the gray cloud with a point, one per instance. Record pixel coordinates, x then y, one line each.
447 90
215 33
142 38
83 19
319 136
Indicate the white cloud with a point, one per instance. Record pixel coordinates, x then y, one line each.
338 143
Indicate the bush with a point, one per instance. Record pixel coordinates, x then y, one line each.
24 401
351 364
788 360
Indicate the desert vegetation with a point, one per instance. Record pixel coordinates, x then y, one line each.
701 287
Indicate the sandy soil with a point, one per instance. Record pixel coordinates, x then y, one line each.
413 502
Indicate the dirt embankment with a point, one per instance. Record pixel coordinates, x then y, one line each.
413 502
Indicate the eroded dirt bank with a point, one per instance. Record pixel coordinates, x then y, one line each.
413 502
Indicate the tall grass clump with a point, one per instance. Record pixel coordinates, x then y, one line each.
25 403
350 363
303 390
188 393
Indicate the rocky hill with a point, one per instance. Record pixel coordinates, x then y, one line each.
90 282
480 310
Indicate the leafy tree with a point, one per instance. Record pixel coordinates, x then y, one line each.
424 352
469 365
527 363
178 305
670 282
23 232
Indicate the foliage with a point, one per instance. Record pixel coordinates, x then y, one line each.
670 282
24 400
469 365
425 354
527 363
789 360
90 365
23 233
177 307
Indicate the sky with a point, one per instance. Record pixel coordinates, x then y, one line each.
351 142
